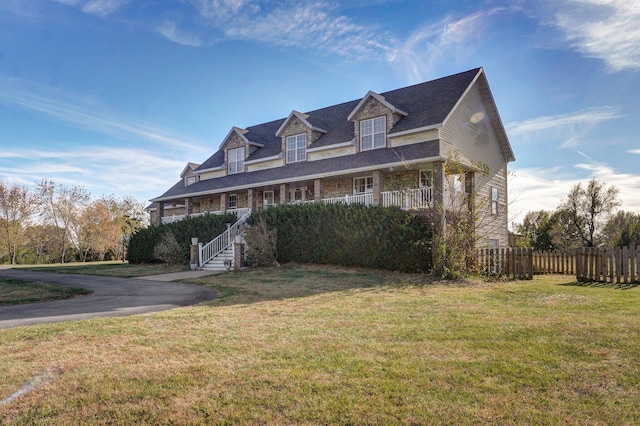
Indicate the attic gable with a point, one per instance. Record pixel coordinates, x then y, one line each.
378 98
237 132
303 118
189 169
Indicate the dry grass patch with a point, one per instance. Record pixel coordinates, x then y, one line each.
329 346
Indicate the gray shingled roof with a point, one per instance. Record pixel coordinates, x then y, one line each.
427 104
362 160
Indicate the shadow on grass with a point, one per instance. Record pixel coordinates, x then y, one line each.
302 280
597 284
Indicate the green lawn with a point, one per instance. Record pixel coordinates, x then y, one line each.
316 345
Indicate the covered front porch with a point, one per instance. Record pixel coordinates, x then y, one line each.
409 189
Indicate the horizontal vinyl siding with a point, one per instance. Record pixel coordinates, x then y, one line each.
264 165
428 135
331 153
476 140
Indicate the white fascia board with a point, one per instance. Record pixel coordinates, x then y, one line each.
416 130
335 145
212 169
457 104
380 99
262 160
302 117
306 177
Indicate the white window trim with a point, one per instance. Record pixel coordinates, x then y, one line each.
296 139
237 164
373 133
495 197
367 190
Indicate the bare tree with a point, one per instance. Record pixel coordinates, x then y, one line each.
61 206
17 205
589 208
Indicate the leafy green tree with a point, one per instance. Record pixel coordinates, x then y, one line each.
588 208
536 229
622 229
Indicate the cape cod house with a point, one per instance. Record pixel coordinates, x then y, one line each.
386 149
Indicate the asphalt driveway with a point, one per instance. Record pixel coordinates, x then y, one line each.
111 297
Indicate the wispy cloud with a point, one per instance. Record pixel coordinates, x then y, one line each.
433 43
96 7
602 29
569 128
170 31
138 172
86 114
532 189
313 25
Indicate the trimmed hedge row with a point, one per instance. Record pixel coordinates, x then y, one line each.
205 227
350 235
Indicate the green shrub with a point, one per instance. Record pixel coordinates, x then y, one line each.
142 244
349 235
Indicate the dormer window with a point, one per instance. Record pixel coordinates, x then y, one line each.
296 148
373 133
236 160
191 180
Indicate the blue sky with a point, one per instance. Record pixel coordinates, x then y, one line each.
118 95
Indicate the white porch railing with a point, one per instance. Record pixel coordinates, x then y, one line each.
366 199
223 241
178 217
409 198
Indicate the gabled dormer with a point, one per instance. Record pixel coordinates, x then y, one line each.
373 117
237 147
188 175
297 133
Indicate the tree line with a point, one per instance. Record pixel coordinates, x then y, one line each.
55 223
588 217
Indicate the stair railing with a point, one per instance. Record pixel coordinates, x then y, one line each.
223 241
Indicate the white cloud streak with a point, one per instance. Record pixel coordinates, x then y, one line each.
310 25
532 189
430 45
570 128
602 29
84 114
120 171
96 7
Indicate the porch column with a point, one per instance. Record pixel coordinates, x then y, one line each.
439 207
252 197
318 190
284 193
223 202
377 188
159 213
188 206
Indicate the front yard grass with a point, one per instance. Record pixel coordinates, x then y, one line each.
15 292
112 268
325 345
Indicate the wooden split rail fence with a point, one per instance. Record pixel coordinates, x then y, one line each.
604 264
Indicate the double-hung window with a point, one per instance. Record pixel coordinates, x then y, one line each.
296 148
236 160
363 185
233 201
373 133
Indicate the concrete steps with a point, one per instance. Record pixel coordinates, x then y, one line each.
217 264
